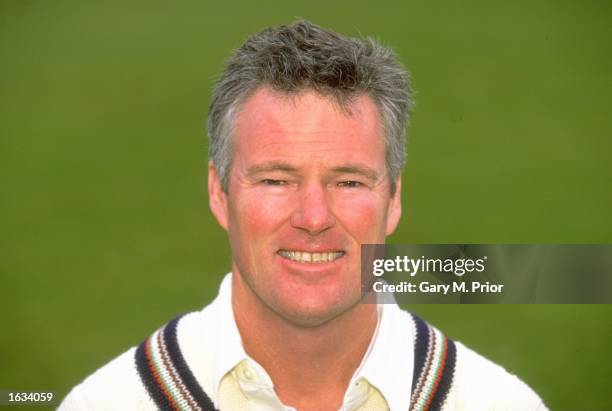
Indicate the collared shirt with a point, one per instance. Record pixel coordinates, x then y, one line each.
386 367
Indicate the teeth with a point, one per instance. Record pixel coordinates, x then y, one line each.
305 257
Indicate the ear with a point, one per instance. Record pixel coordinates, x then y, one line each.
217 198
394 210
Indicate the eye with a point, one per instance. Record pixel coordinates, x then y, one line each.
350 184
273 182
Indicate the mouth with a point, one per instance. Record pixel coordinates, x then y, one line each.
310 258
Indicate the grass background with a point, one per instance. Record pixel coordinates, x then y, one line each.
105 229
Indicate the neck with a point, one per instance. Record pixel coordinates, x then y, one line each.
311 367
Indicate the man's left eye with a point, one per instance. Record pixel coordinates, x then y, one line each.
273 182
350 184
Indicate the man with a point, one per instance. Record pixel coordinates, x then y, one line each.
307 146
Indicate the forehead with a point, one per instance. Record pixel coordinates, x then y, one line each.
273 123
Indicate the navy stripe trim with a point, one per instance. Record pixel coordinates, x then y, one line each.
183 370
421 353
420 349
148 380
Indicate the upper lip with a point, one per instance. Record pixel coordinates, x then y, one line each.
311 250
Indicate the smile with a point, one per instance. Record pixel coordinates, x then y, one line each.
312 258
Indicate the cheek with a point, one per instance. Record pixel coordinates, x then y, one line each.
364 216
252 217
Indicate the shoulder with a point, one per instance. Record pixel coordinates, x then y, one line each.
119 384
463 378
116 385
482 384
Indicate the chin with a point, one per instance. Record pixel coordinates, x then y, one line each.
314 312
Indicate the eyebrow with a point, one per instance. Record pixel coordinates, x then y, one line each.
357 169
271 166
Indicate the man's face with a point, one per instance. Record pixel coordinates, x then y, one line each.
308 185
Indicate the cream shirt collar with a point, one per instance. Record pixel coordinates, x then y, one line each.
388 363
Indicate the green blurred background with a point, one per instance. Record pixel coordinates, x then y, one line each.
105 228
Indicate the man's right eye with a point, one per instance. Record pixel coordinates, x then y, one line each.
273 182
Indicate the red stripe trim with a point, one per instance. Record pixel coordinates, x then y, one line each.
432 394
157 377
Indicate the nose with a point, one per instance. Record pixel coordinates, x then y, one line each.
313 213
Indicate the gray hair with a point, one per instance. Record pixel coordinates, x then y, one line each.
304 56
